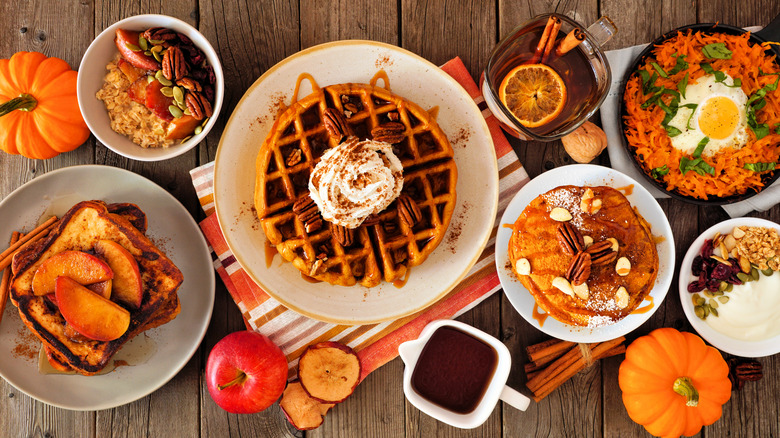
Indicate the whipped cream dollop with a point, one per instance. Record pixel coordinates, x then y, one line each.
354 180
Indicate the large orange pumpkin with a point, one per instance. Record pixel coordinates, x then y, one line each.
672 383
39 111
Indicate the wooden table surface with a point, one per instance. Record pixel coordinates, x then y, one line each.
252 36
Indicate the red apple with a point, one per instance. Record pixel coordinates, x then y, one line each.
80 266
127 287
246 372
89 313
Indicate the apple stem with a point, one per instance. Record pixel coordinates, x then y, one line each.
240 378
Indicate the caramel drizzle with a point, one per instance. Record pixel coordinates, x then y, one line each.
381 74
538 316
301 77
401 282
627 190
647 307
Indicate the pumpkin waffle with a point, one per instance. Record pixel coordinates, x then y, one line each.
607 232
385 246
79 229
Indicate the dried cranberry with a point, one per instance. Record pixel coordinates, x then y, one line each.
211 75
185 39
706 249
697 265
713 284
721 272
696 286
208 91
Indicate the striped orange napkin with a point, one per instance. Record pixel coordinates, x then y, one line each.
376 344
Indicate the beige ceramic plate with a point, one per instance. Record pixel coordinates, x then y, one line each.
410 76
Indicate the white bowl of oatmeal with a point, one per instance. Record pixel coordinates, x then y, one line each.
142 134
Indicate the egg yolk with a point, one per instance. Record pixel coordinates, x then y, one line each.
718 118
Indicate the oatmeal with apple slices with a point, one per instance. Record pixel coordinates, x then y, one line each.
159 89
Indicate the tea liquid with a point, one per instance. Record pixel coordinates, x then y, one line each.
573 67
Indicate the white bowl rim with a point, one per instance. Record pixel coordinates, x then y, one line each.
155 154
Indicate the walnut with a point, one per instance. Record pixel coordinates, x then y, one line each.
585 143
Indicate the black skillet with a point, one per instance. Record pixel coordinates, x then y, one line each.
770 33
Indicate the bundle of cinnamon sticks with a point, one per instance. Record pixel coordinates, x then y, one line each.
549 40
19 242
551 363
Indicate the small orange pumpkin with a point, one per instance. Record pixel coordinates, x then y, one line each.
39 110
672 383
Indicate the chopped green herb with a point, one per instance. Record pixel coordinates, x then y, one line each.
760 167
679 66
692 107
698 164
658 172
716 51
672 131
649 86
683 85
755 102
660 71
700 147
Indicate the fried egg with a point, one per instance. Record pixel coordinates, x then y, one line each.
719 114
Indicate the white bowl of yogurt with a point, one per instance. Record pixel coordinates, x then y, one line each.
748 323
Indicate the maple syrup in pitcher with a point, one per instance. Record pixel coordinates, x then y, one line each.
583 69
454 370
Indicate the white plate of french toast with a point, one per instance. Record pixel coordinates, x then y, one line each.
584 253
112 293
374 186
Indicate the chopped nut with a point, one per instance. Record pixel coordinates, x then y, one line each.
315 267
523 267
294 158
581 290
563 285
586 200
615 245
738 233
587 241
560 214
730 242
720 260
595 206
623 266
744 264
723 251
621 297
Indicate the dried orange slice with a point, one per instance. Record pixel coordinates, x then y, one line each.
534 93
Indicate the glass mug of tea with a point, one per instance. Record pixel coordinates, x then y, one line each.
548 76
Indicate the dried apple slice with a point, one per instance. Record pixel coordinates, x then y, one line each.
329 371
302 411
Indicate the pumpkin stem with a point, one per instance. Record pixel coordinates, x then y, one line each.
684 387
24 102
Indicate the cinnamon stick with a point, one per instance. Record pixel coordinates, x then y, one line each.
551 41
620 349
547 348
546 39
5 282
38 232
572 40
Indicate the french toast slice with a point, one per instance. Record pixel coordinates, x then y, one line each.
78 230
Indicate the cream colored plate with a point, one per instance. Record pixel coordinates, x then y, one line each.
159 353
411 77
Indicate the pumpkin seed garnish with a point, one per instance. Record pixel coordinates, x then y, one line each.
156 56
166 91
147 53
707 293
714 311
175 111
723 300
143 43
713 304
133 47
768 272
181 105
162 79
700 300
198 130
717 293
744 277
699 311
730 287
706 310
187 112
178 94
722 286
156 42
754 273
206 120
185 139
150 79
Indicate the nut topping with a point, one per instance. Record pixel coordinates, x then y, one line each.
587 241
307 212
189 84
623 266
390 132
174 67
408 210
560 214
336 124
563 285
344 235
621 297
579 269
523 267
294 158
198 105
351 105
582 291
570 238
615 246
589 203
744 370
601 253
159 34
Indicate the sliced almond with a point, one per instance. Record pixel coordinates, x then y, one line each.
730 242
586 200
587 241
621 297
735 253
723 251
716 240
563 285
721 260
581 290
560 214
595 206
738 233
523 267
744 264
623 266
615 245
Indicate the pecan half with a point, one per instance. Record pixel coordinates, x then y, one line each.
174 67
294 157
336 124
601 253
390 132
579 269
160 34
351 105
570 238
408 210
344 235
744 370
307 212
189 84
372 219
198 105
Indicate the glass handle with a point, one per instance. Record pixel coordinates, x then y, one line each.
602 30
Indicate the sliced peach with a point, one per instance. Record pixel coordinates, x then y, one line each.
302 411
182 127
89 313
126 38
329 371
80 266
158 102
127 287
102 288
137 90
132 73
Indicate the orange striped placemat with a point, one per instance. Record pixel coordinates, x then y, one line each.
376 344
